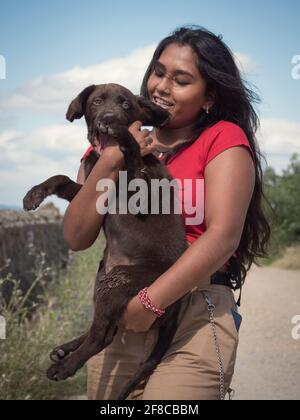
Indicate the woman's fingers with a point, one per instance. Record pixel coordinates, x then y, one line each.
146 145
142 137
148 140
135 128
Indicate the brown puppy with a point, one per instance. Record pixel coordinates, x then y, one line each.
139 247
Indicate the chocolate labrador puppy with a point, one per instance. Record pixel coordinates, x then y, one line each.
139 247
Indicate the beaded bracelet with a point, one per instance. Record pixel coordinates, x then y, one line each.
145 300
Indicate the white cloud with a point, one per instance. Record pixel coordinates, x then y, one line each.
7 137
279 139
245 63
55 146
53 93
30 158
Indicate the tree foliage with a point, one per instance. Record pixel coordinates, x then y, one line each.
283 211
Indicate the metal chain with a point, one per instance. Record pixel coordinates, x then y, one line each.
211 307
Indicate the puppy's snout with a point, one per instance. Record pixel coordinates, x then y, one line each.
108 118
101 127
105 121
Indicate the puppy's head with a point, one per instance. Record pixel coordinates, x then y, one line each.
105 106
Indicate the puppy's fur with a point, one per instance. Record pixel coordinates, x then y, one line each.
139 247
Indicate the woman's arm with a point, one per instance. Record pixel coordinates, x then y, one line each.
229 185
82 222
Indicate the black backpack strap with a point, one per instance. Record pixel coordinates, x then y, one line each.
236 277
231 278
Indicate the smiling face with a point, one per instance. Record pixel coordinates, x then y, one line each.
177 85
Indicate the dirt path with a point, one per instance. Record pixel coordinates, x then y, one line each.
268 365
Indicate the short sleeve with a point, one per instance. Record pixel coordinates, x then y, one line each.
229 135
89 150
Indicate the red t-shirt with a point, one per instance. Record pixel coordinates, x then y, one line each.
188 166
87 153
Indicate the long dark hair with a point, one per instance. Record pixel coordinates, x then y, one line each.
233 101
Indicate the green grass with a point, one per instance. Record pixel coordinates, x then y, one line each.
65 313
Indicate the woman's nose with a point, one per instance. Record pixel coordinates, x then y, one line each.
163 85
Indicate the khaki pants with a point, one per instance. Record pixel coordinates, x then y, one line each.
189 370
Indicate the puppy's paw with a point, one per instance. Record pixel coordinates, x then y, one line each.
34 198
57 354
60 371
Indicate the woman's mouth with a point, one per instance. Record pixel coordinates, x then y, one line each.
163 103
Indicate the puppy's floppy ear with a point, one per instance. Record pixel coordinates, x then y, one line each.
77 106
152 114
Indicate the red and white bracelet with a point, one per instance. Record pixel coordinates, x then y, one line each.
145 300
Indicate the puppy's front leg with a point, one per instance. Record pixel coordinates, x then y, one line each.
60 185
130 148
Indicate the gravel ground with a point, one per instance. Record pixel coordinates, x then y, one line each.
268 364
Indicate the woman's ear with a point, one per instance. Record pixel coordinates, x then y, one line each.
77 106
207 106
152 114
209 103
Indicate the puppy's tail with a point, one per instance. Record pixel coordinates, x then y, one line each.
165 337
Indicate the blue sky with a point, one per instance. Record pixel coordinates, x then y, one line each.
41 39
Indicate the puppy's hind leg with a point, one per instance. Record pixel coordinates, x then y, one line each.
112 296
60 352
68 366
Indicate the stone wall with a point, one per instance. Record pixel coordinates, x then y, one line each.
24 237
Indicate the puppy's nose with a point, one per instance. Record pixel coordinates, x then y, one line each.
108 118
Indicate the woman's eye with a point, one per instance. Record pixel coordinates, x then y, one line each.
98 101
158 73
125 105
181 82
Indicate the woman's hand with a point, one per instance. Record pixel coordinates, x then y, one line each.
113 155
136 317
143 138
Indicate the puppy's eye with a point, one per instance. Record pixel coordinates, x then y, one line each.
126 105
98 101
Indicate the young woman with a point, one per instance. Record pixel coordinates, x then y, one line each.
211 136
